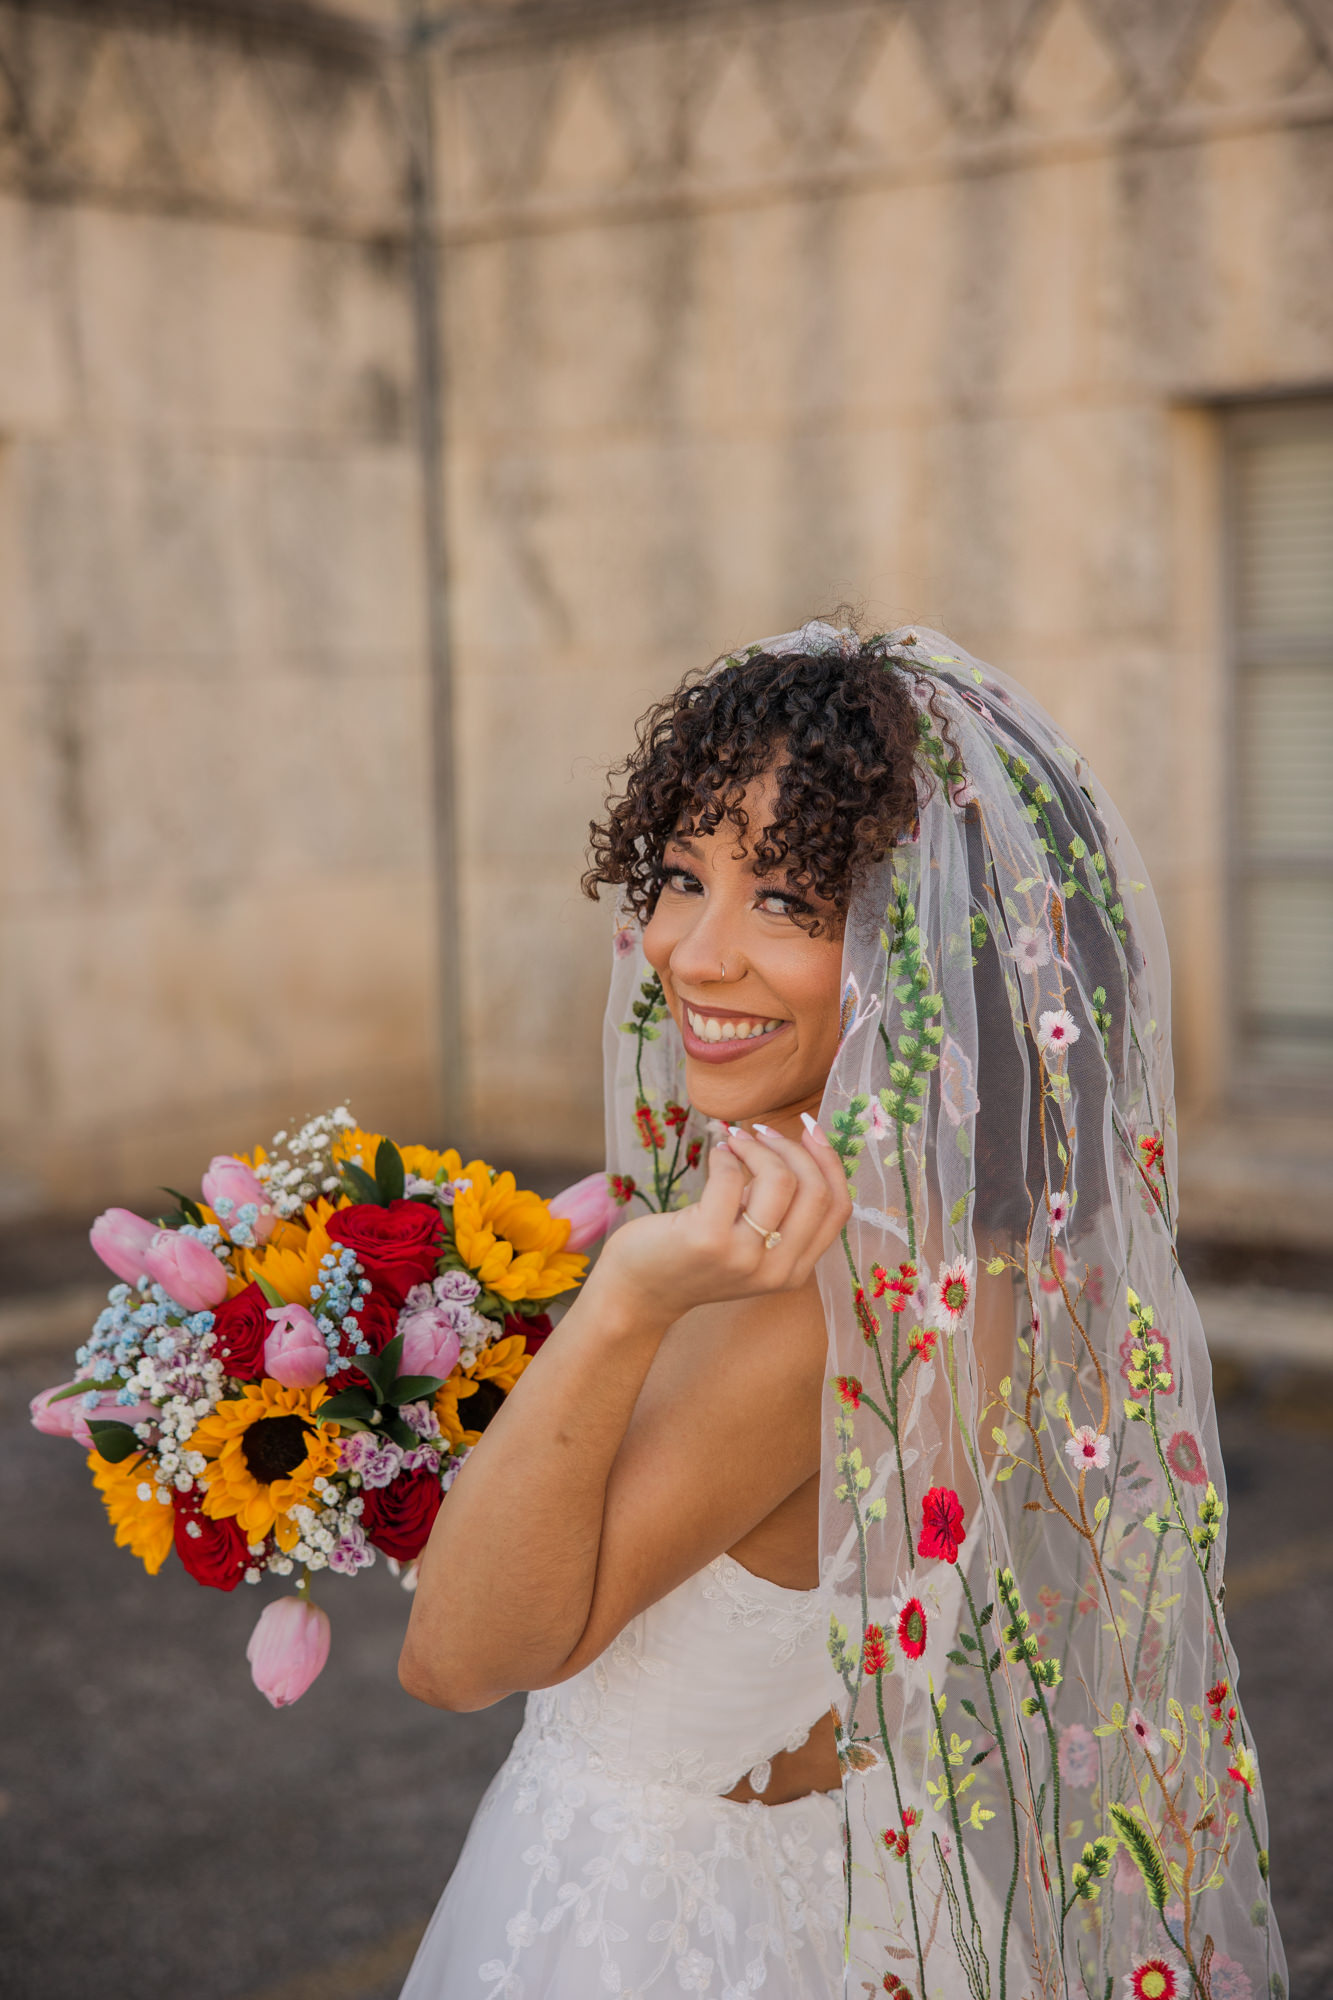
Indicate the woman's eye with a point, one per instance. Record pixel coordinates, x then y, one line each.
775 905
681 880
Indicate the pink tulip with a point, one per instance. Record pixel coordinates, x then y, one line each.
591 1208
287 1649
68 1418
121 1240
294 1352
232 1183
431 1343
186 1269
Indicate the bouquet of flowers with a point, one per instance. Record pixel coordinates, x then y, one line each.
293 1368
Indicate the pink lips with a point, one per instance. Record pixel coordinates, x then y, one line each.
724 1052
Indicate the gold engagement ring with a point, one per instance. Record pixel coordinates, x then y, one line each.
772 1237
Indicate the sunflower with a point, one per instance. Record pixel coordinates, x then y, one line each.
490 1378
289 1261
264 1454
509 1237
142 1523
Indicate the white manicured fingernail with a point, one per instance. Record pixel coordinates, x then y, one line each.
813 1127
764 1132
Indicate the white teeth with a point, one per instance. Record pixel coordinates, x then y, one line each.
710 1029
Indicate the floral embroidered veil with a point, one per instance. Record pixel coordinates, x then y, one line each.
1048 1781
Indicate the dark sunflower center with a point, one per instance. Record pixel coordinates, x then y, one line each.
476 1412
275 1446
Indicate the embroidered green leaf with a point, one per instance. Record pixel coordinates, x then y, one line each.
1141 1845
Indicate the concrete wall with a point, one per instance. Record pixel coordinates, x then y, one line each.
755 308
215 905
749 308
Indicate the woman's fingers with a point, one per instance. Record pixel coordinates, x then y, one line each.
792 1195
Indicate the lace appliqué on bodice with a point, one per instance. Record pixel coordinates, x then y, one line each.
628 1870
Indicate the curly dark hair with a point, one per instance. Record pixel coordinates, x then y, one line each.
837 730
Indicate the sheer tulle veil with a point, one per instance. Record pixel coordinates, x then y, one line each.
1048 1781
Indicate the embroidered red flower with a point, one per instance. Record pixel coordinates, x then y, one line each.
897 1841
874 1652
651 1134
693 1153
902 1287
848 1391
677 1116
623 1188
893 1985
942 1531
922 1340
912 1628
1153 1980
865 1315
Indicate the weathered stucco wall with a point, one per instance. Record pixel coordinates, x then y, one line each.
749 309
753 309
216 904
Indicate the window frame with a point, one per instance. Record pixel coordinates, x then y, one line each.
1249 1084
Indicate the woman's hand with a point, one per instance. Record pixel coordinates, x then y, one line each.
662 1266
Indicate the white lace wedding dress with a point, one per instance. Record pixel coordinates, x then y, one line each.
605 1858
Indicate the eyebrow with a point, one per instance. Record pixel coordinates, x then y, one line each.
685 845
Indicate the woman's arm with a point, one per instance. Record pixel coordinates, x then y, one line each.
588 1498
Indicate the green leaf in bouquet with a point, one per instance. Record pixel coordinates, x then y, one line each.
189 1209
348 1406
382 1369
389 1174
361 1186
81 1389
271 1292
113 1442
415 1388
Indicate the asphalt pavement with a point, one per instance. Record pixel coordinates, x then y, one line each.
164 1835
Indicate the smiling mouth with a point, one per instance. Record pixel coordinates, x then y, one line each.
731 1027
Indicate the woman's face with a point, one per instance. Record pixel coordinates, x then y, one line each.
755 997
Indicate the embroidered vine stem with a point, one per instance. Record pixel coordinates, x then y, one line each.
979 1622
898 1801
943 1748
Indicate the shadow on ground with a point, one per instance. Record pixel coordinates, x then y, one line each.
164 1833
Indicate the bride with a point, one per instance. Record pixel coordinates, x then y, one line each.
859 1531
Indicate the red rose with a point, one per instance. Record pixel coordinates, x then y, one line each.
534 1331
398 1518
214 1552
397 1247
240 1328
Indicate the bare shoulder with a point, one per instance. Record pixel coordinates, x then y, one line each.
725 1432
767 1352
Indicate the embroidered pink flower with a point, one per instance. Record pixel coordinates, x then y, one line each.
1142 1730
1088 1450
1056 1030
1059 1208
1078 1754
942 1531
958 1096
1030 949
1186 1460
